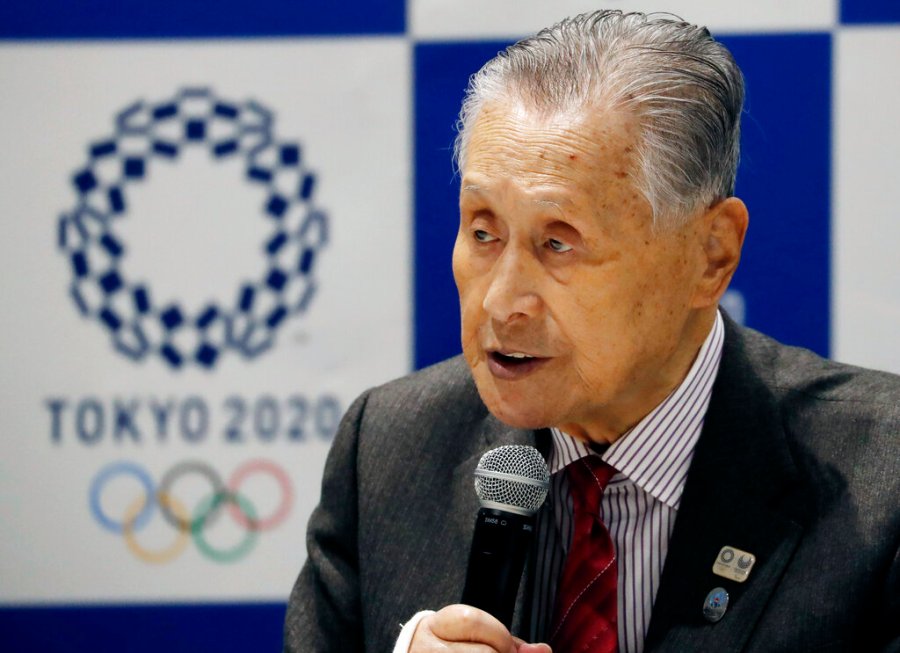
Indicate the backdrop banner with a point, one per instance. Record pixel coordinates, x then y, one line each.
208 260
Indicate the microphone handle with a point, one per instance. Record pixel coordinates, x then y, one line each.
499 549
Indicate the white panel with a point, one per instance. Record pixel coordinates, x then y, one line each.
866 227
507 19
194 230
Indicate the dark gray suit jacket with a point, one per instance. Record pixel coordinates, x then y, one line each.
798 463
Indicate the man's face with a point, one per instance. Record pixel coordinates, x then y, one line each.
574 312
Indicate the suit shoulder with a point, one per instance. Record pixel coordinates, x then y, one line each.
443 383
793 371
438 397
839 414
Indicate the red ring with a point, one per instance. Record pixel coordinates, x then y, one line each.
248 469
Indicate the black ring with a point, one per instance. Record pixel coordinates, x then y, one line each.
169 479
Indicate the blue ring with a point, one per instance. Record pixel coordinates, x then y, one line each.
115 469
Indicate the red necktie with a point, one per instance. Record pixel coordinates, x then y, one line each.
585 612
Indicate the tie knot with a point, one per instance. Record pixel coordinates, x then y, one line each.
588 477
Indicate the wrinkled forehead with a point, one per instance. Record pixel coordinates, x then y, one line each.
509 139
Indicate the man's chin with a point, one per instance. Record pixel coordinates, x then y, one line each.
515 415
515 407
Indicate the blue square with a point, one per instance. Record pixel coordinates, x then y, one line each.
171 317
290 155
195 130
785 180
174 19
276 279
134 167
85 181
870 11
206 355
276 206
80 627
442 72
110 282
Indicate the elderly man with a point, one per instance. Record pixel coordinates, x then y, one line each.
746 492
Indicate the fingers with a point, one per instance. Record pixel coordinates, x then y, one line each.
462 629
525 647
463 623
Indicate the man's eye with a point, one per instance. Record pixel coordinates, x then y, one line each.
483 237
558 245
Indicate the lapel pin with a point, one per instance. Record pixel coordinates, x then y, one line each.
733 564
715 605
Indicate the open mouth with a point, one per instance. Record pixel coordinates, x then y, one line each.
513 364
515 358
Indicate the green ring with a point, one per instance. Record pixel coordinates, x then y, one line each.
212 503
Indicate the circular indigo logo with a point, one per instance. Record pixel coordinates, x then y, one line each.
146 133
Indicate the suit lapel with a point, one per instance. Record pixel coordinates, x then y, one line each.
741 492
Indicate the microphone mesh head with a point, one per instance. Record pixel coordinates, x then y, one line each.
512 477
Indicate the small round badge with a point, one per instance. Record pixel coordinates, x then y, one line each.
715 605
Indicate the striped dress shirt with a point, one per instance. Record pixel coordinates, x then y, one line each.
640 503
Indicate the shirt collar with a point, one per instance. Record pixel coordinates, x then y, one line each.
644 453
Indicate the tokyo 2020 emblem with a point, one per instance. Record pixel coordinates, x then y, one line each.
139 324
190 522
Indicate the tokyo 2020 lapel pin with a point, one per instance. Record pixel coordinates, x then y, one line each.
734 564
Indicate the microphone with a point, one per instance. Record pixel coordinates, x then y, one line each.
511 483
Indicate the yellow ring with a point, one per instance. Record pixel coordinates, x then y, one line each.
167 554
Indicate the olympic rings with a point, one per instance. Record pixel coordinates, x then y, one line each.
116 469
156 557
188 524
280 513
168 480
243 547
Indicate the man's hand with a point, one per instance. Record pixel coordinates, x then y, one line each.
467 630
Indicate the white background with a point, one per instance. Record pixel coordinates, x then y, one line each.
471 19
866 208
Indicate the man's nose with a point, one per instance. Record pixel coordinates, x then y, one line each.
513 290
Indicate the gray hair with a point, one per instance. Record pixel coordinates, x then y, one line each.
683 86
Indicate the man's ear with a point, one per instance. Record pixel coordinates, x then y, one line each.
724 225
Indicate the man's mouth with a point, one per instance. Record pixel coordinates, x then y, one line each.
511 365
